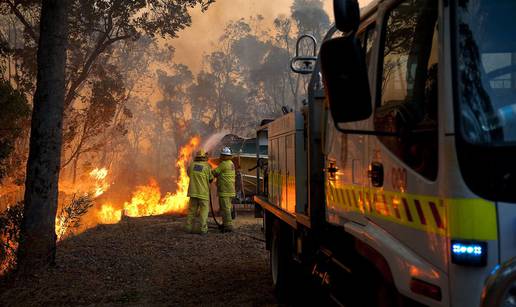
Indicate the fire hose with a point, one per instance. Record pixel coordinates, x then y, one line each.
219 225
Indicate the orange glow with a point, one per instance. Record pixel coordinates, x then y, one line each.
60 227
147 200
101 184
109 215
99 177
414 271
214 163
419 273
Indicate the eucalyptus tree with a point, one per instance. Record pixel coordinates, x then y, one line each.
97 28
86 32
37 235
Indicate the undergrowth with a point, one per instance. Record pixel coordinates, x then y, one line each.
68 219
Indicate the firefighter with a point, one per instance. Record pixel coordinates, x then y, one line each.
198 191
225 174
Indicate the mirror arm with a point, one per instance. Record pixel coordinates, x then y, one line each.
367 132
303 59
310 37
384 133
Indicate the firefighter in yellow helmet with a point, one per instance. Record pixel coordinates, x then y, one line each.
199 192
225 174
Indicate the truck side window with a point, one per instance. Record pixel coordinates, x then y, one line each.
370 38
361 39
366 39
408 102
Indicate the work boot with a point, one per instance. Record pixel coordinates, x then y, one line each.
198 232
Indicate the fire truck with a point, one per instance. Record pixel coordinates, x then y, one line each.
396 184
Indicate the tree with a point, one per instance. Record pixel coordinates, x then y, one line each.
310 17
97 30
38 237
14 118
274 76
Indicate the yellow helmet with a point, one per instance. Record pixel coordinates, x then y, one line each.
201 153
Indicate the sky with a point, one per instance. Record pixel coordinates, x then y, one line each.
207 27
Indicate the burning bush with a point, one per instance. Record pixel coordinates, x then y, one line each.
70 216
147 200
68 219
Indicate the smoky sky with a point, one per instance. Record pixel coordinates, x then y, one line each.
207 27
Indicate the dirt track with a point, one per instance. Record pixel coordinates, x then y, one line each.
152 261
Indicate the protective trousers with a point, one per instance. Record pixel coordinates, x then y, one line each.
225 209
196 207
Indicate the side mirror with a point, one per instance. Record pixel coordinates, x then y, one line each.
347 15
304 64
345 79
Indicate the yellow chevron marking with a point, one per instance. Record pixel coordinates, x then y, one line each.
473 219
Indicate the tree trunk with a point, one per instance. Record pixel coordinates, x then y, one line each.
38 237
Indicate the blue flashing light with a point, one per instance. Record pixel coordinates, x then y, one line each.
460 249
469 253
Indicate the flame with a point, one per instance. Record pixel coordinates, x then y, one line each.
99 176
147 200
214 163
109 215
101 184
60 227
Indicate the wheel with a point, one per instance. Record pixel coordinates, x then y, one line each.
385 294
279 262
366 286
379 292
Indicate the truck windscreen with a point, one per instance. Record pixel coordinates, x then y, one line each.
486 71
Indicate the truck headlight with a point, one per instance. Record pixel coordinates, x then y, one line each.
509 299
500 286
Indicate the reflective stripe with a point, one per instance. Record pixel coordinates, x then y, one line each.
225 173
473 219
456 218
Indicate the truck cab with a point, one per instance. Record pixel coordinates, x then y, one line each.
409 147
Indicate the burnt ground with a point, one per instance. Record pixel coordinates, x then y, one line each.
152 261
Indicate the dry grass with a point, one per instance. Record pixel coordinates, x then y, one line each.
151 261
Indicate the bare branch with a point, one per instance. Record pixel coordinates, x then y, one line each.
22 19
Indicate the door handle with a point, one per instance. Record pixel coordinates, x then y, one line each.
332 170
376 174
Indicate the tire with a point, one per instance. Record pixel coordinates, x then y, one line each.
378 292
279 257
385 294
366 287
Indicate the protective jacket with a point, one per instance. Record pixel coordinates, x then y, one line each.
200 178
225 174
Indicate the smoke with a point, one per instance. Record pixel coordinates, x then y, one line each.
165 116
207 27
213 140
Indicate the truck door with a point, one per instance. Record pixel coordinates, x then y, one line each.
402 170
346 159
